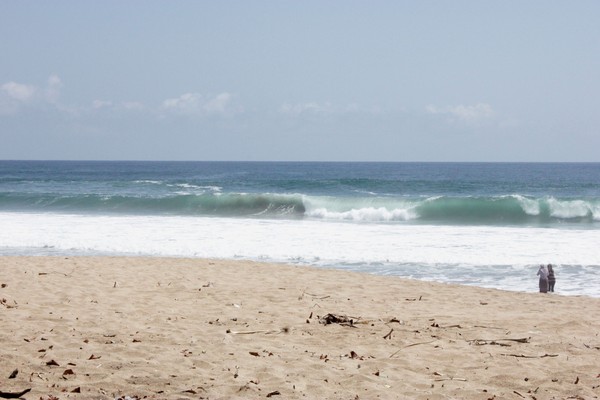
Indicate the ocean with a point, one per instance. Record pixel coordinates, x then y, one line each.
481 224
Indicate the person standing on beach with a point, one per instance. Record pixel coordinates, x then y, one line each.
543 273
551 278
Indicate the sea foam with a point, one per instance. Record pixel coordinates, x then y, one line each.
500 257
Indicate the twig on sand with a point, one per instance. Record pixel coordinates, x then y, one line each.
524 356
318 297
60 273
489 327
451 379
389 334
495 341
410 345
266 331
492 342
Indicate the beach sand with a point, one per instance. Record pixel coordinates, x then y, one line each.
166 328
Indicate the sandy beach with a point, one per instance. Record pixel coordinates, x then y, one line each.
158 328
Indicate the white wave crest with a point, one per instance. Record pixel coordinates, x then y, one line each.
569 209
529 206
368 214
190 186
595 209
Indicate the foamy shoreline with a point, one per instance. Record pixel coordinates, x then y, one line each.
172 328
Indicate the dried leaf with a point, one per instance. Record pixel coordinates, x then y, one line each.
68 372
14 374
14 395
52 362
76 390
93 357
337 319
254 353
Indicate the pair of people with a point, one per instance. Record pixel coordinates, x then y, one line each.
547 278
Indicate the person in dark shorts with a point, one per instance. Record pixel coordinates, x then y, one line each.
551 278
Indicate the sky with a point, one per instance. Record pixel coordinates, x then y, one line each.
300 80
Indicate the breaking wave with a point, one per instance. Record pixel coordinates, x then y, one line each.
508 209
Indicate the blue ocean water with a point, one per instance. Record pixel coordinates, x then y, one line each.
487 224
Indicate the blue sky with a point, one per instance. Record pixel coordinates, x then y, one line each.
303 80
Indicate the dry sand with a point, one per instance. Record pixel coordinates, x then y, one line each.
104 328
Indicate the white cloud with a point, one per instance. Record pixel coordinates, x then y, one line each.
218 104
303 108
327 108
464 113
132 105
98 104
53 87
187 101
18 91
111 106
197 104
14 96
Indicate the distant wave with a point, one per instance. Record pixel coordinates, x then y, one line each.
508 209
